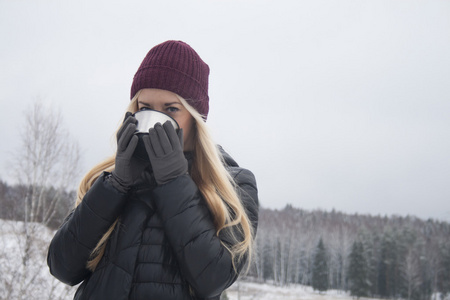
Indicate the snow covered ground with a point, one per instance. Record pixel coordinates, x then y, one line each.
258 291
25 277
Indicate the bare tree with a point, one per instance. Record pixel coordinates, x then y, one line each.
339 239
411 273
48 157
47 164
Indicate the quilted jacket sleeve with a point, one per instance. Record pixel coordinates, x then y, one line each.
204 261
73 243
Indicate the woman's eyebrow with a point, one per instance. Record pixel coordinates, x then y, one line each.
143 103
171 103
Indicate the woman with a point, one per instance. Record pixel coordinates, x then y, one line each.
177 223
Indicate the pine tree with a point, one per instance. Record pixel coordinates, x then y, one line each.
358 271
444 282
388 266
371 250
320 268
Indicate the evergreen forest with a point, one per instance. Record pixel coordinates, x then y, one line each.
375 256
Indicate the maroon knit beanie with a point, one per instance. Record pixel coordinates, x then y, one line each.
174 66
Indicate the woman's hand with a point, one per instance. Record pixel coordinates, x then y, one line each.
128 168
165 150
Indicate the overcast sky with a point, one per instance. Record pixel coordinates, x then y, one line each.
332 104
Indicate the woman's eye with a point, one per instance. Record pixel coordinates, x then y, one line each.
144 108
172 109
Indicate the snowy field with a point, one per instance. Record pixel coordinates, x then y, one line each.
27 277
258 291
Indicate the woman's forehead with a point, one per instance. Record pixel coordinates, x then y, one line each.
157 96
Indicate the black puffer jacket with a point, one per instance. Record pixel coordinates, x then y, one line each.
165 246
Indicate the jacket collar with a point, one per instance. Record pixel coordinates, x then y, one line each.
228 160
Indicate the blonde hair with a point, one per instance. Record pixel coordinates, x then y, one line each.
213 181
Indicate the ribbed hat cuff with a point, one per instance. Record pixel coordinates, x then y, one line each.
166 78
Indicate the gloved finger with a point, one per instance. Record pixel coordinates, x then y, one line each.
172 135
128 153
130 119
125 138
148 146
154 141
127 114
180 138
163 138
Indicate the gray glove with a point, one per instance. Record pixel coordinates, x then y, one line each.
128 168
165 150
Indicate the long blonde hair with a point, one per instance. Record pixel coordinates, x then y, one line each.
213 181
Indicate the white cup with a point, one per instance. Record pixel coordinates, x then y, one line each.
147 119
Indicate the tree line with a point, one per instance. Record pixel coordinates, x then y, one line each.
387 257
55 204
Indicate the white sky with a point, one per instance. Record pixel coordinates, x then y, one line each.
332 104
